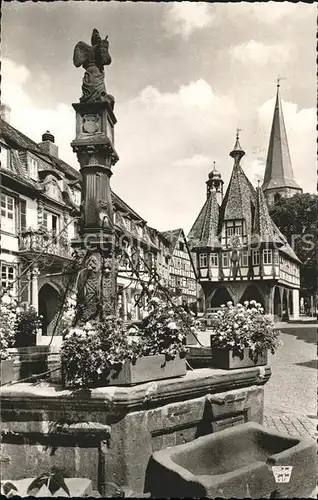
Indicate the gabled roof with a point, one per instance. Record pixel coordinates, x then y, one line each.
285 248
279 172
18 140
173 235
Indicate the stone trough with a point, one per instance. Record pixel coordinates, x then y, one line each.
235 462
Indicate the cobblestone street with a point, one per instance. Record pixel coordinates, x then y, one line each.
290 394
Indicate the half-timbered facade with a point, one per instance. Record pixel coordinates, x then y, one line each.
240 253
182 276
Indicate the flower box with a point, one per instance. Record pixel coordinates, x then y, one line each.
7 371
227 359
145 369
199 356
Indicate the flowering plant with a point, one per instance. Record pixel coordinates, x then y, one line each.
8 316
91 350
244 325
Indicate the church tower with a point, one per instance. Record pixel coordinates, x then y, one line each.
279 178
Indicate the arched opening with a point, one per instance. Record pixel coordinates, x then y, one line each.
291 305
277 303
285 312
221 296
252 293
48 307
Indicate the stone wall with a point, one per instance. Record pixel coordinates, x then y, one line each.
109 434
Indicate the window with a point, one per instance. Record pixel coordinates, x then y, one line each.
181 246
128 224
255 257
7 275
238 230
225 259
214 260
229 231
4 157
7 213
51 221
244 259
22 205
203 260
276 257
33 168
267 256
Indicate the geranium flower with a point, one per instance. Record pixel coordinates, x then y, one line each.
6 299
172 325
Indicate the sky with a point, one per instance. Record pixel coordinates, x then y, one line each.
184 75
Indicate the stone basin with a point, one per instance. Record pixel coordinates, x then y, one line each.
235 462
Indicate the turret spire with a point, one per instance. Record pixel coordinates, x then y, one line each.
237 153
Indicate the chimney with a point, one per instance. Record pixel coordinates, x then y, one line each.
5 111
48 144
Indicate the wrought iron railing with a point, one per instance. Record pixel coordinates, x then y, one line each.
36 241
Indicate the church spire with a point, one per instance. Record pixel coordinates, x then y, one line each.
279 176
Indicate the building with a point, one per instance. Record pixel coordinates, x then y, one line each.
182 274
40 197
240 253
279 180
40 209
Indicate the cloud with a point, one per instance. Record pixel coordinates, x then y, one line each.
260 53
198 161
32 120
183 18
167 142
300 128
274 12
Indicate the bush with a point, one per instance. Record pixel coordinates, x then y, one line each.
8 315
26 326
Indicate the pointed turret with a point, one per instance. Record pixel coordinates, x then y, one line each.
237 152
279 176
215 183
240 194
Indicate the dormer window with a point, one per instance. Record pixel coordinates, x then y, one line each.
128 224
33 166
4 158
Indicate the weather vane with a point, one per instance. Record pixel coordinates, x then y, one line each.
279 78
238 130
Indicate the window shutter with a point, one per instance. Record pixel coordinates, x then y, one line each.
23 225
